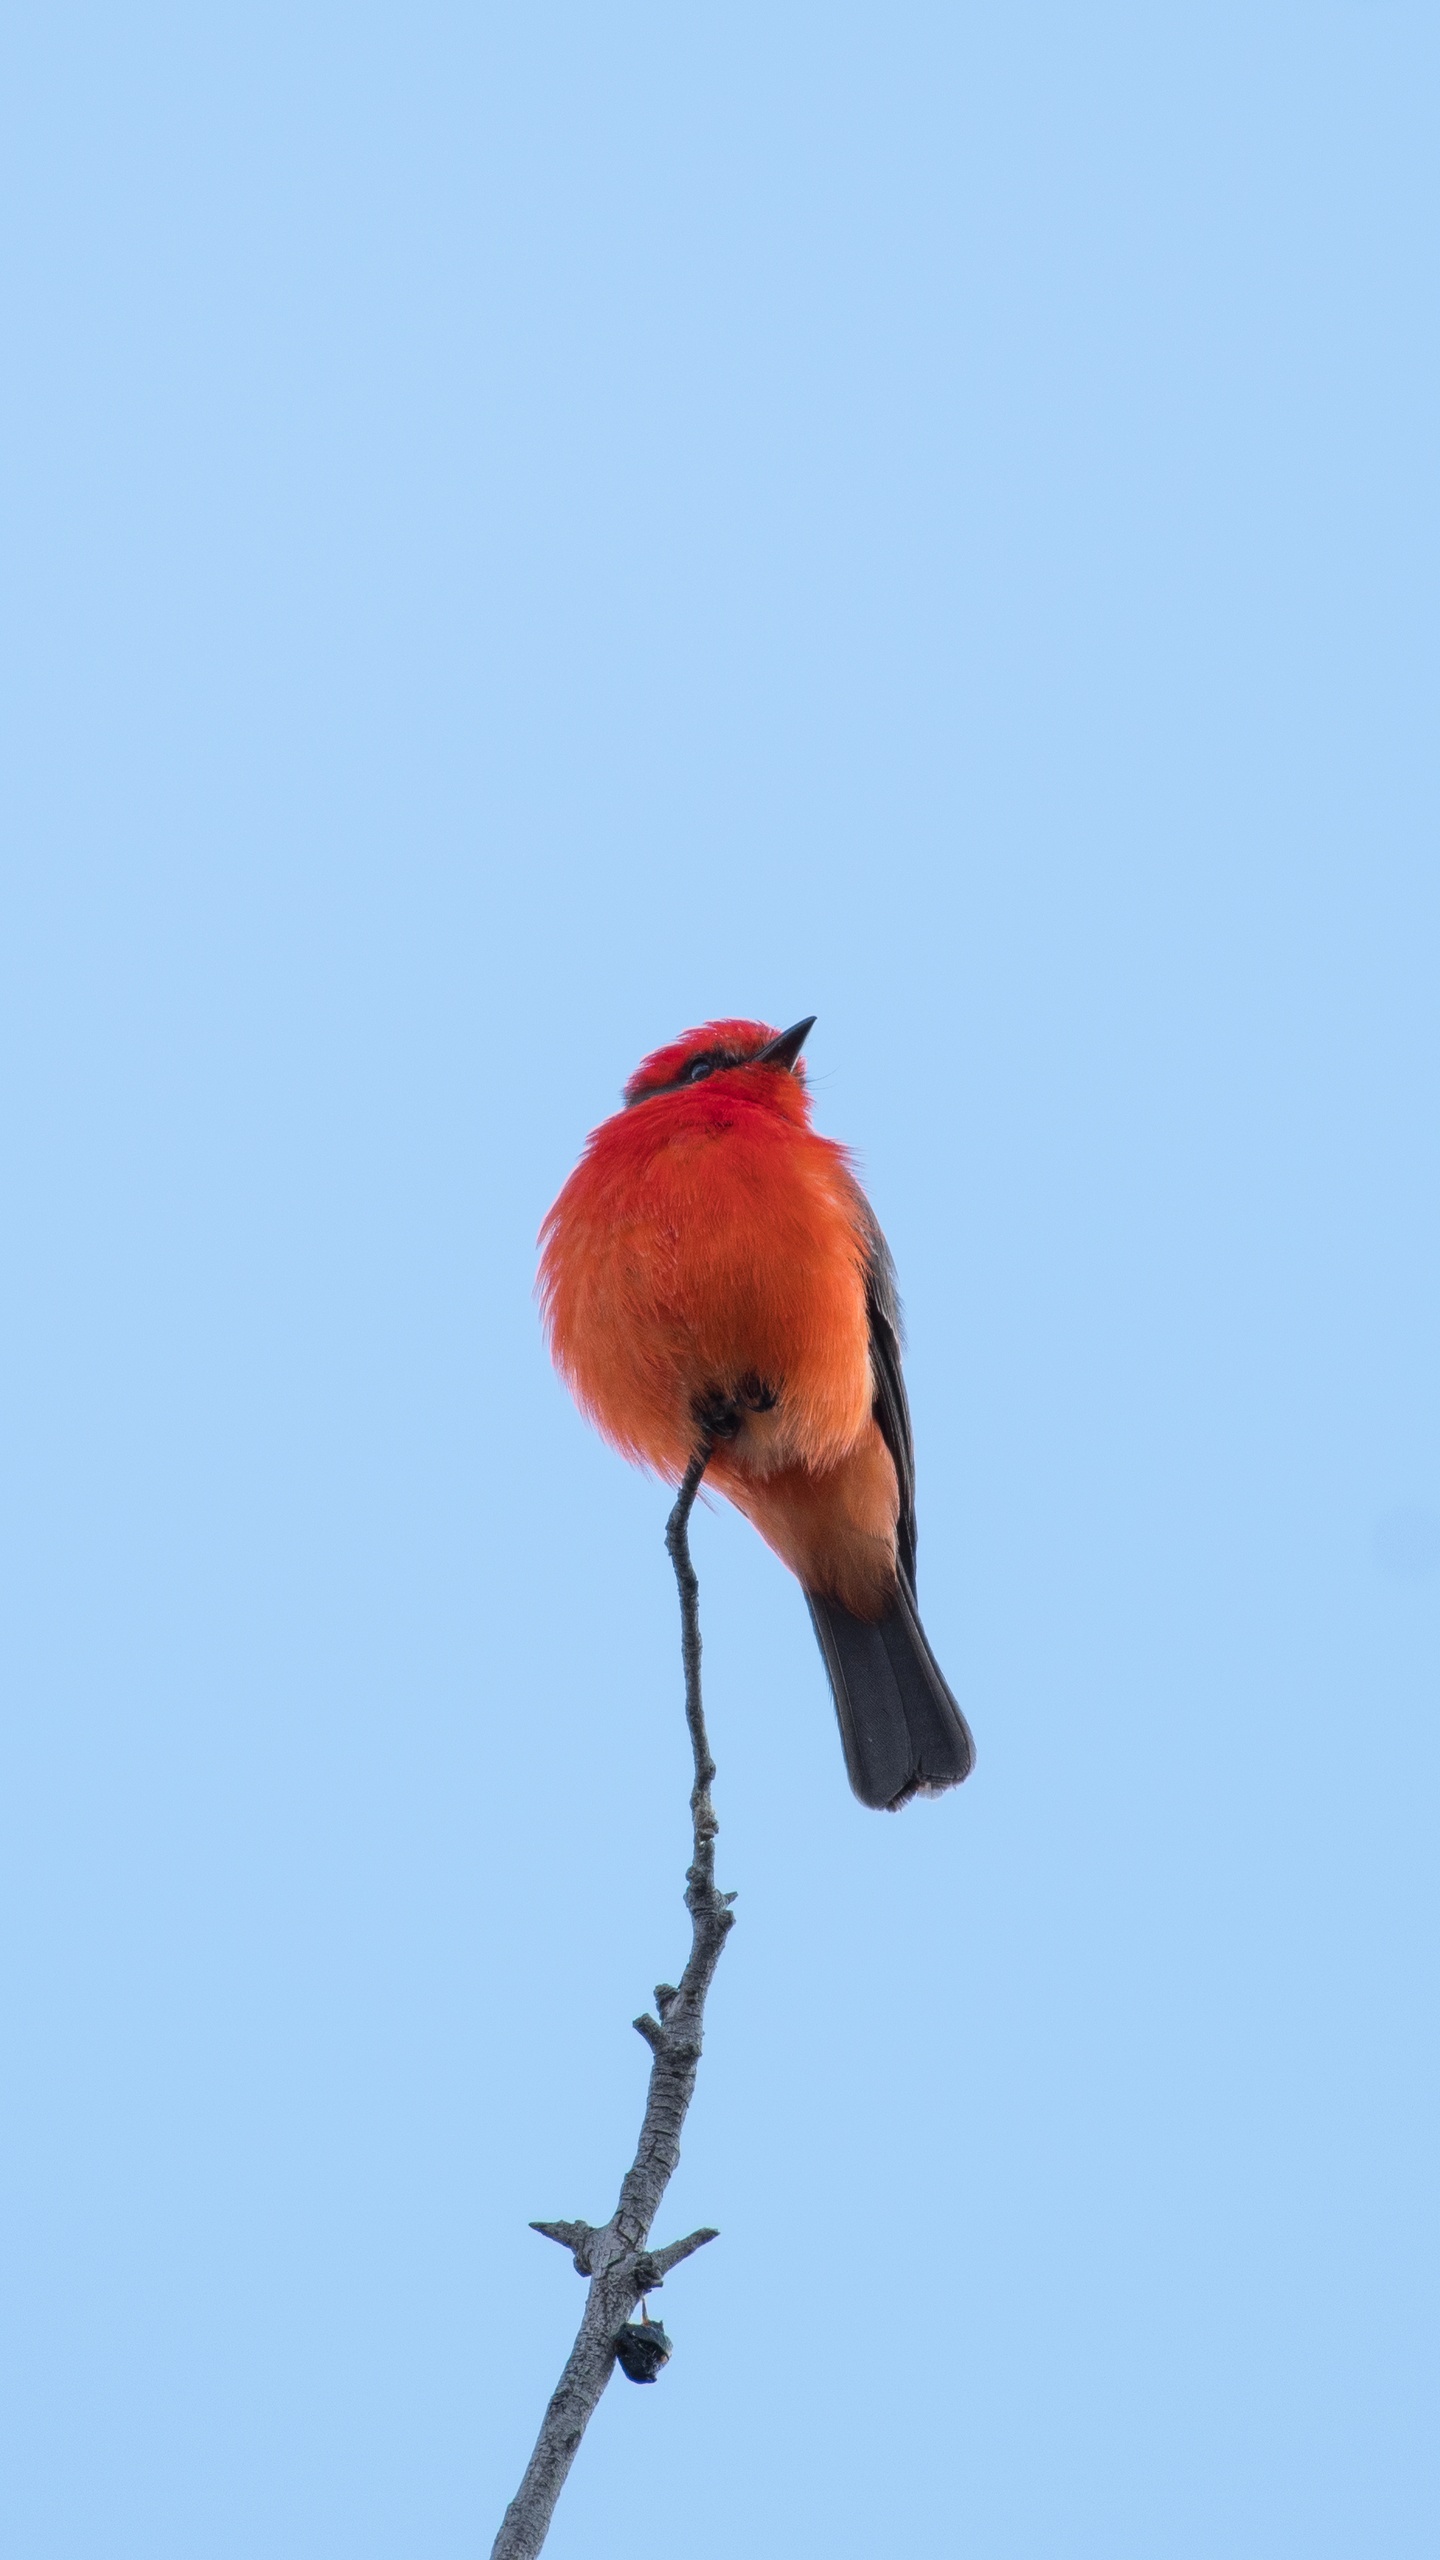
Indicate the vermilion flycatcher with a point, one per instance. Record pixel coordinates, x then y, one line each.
712 1273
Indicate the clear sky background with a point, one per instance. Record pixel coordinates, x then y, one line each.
528 527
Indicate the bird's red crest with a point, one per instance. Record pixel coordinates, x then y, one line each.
730 1044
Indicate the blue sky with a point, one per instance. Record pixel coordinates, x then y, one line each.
527 529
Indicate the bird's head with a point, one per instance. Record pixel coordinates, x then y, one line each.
746 1059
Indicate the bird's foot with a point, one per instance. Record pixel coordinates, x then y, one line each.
720 1412
717 1414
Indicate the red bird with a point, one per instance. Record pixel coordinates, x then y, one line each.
712 1272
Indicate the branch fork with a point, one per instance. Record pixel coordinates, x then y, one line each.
614 2256
607 2253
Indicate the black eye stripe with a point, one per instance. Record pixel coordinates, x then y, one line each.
709 1063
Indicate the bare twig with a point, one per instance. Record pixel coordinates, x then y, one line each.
615 2258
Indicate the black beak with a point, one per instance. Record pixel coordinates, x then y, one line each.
784 1051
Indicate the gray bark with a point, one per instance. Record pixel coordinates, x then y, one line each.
616 2259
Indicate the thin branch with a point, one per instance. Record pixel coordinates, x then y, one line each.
616 2259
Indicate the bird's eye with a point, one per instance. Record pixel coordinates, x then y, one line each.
697 1068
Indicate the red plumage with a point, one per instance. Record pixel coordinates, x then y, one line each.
712 1268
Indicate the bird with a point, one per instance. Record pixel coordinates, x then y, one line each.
712 1276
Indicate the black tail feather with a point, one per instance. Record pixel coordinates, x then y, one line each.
902 1731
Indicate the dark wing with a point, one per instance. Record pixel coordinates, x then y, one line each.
892 1406
903 1733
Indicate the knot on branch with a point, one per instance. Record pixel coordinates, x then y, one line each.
709 1911
654 2265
